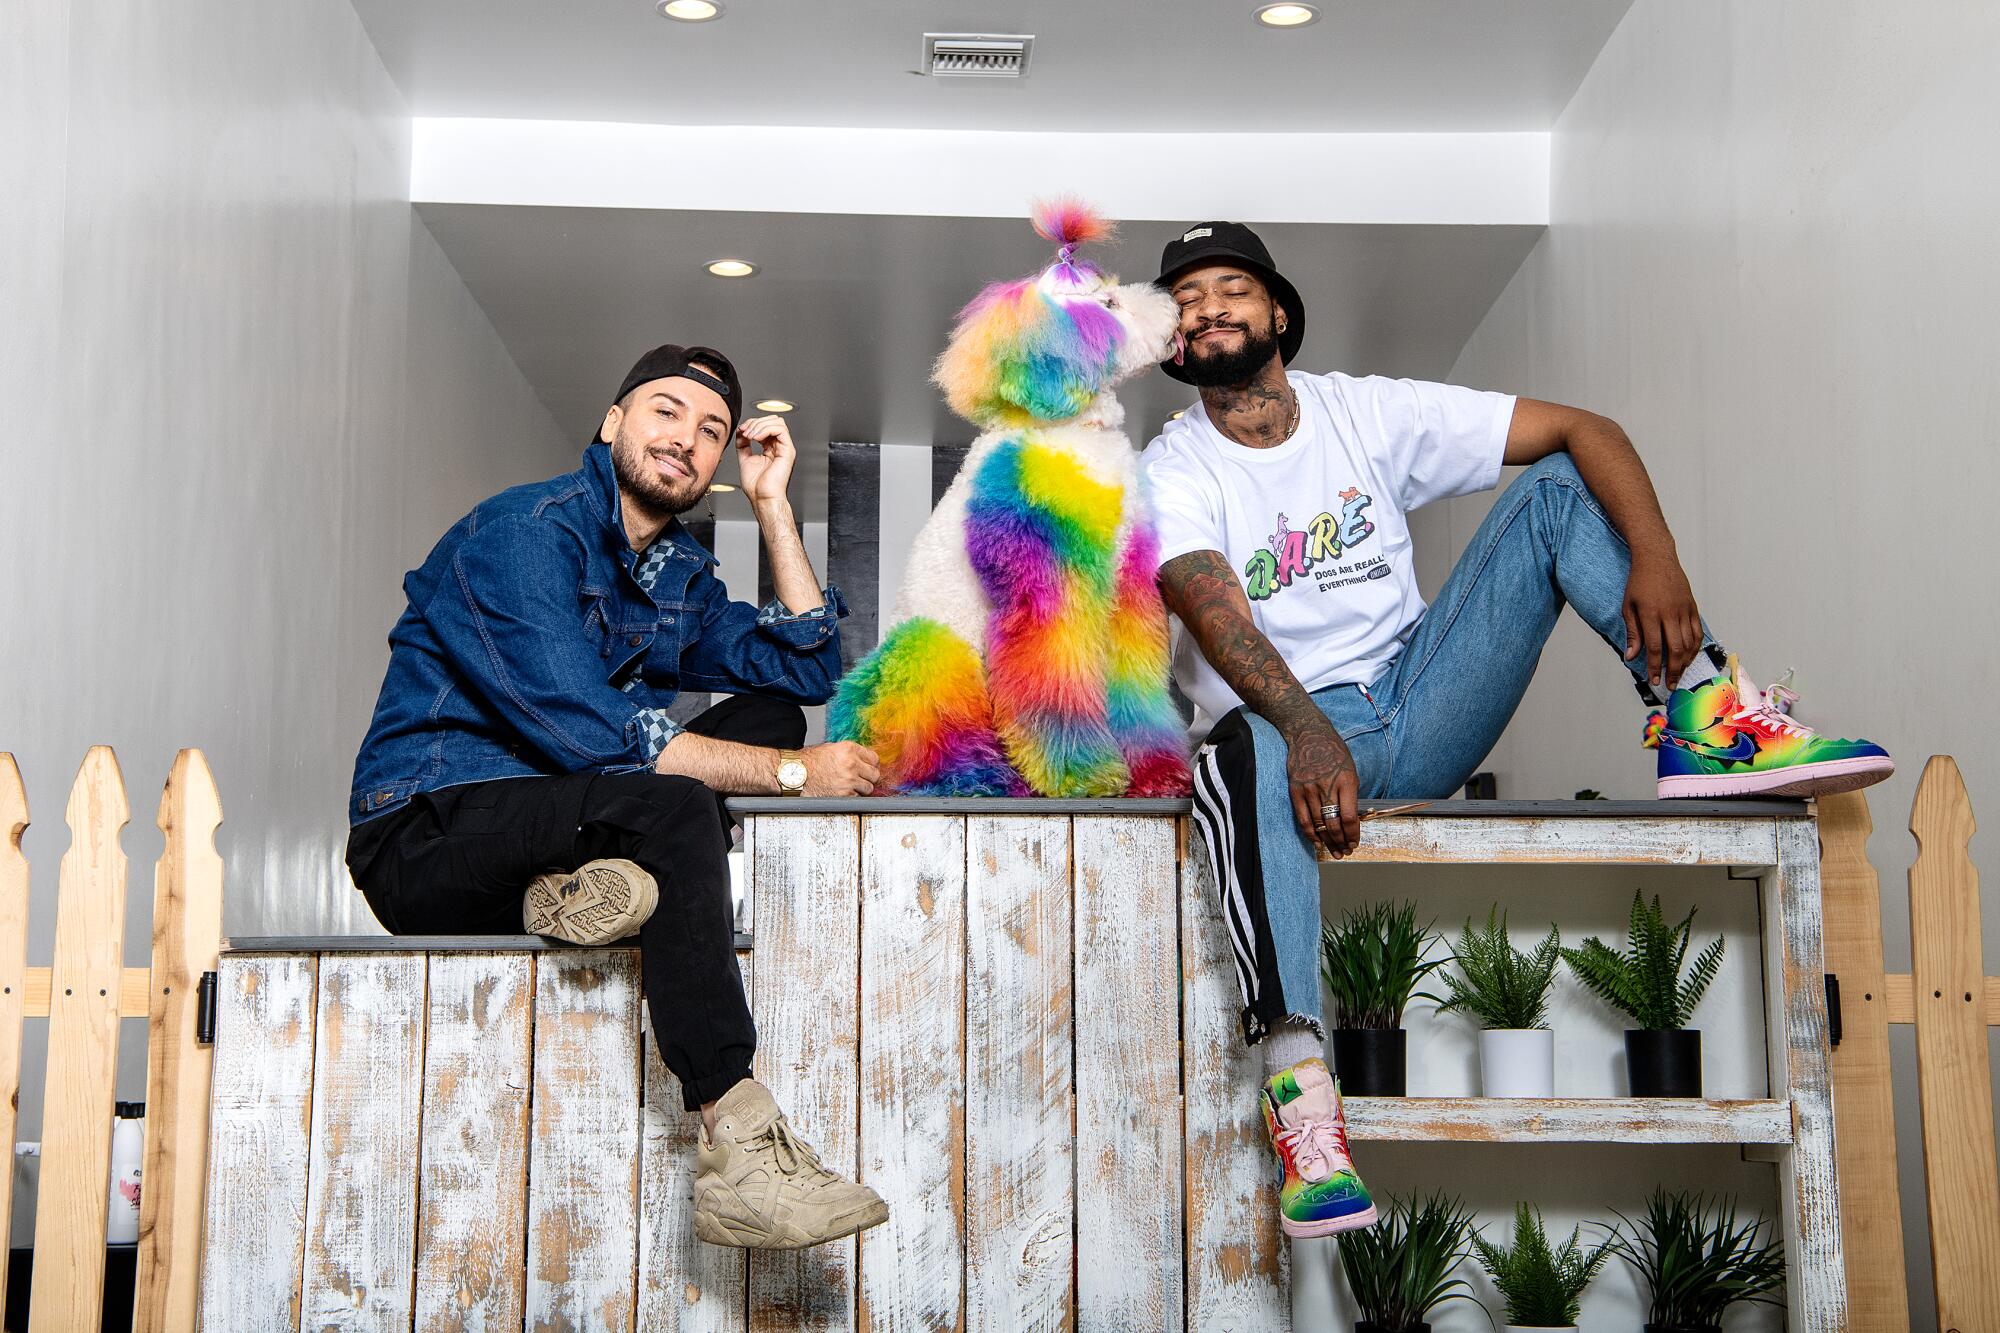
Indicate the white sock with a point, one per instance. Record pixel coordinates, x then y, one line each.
1286 1044
1705 666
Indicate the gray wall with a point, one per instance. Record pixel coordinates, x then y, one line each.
241 391
1771 258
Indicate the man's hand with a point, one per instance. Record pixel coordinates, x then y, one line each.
1322 775
1660 618
841 768
766 473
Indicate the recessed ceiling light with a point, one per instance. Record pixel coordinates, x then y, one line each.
691 11
721 486
774 405
732 268
1286 15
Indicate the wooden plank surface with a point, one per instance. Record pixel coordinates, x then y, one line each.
1899 995
472 1189
1954 1074
135 992
259 1130
912 1070
583 1164
71 1198
187 932
1797 1049
1656 1120
1128 1116
1564 839
1863 1096
1236 1257
1019 1080
987 807
685 1284
14 882
807 899
361 1186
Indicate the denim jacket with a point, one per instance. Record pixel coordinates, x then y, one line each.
526 619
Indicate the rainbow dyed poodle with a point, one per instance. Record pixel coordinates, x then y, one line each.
1027 653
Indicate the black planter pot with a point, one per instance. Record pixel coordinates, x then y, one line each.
1370 1326
1371 1062
1664 1064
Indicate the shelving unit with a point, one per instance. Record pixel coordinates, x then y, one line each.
1774 844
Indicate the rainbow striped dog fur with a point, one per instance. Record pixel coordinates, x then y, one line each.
1027 650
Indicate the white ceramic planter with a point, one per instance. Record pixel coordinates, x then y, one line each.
1539 1328
1517 1062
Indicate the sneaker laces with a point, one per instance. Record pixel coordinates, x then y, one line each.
1316 1144
791 1153
1773 711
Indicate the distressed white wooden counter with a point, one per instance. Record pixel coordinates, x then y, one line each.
1017 1019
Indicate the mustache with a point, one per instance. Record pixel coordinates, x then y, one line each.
1225 325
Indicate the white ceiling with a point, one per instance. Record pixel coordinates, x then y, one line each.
847 312
1160 65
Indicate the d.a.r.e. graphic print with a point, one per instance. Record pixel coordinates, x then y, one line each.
1292 552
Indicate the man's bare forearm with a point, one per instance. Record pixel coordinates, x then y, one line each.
725 766
791 571
1610 466
1202 590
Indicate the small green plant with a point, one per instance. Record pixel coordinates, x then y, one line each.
1645 981
1400 1269
1497 983
1543 1288
1698 1262
1374 962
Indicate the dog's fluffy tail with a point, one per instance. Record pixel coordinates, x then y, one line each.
919 701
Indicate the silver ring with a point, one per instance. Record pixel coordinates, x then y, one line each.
1330 811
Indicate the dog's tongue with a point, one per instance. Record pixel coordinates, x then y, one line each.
1180 349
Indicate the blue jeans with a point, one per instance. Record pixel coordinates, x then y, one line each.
1418 731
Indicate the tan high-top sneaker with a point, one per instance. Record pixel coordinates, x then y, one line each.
598 902
760 1186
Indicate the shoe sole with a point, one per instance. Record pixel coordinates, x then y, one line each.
1821 779
708 1229
610 900
1331 1226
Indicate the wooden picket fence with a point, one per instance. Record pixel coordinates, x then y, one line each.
1952 1003
84 993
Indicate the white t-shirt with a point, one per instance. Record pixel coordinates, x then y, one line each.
1315 526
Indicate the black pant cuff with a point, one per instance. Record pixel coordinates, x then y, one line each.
698 1092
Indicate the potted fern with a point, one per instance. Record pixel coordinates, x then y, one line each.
1508 992
1696 1262
1542 1287
1374 961
1400 1269
1652 982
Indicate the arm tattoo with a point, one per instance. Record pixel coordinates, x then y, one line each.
1202 590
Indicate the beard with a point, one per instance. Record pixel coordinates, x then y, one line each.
639 479
1209 369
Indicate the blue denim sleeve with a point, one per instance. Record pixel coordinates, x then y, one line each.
509 618
787 655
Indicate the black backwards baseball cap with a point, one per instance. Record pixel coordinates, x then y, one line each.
1206 242
672 361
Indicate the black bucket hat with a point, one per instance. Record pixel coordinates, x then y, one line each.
1209 241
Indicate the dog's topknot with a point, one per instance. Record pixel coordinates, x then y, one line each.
1069 222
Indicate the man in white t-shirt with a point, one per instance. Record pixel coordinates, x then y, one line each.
1318 675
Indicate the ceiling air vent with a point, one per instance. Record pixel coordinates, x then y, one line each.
970 55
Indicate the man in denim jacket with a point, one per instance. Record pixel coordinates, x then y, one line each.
522 771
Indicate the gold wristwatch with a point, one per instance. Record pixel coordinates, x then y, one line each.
791 773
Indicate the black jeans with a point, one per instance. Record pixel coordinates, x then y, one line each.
456 862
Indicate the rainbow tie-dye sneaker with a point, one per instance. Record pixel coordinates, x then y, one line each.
1726 737
1318 1191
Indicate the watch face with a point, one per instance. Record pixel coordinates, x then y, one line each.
792 774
